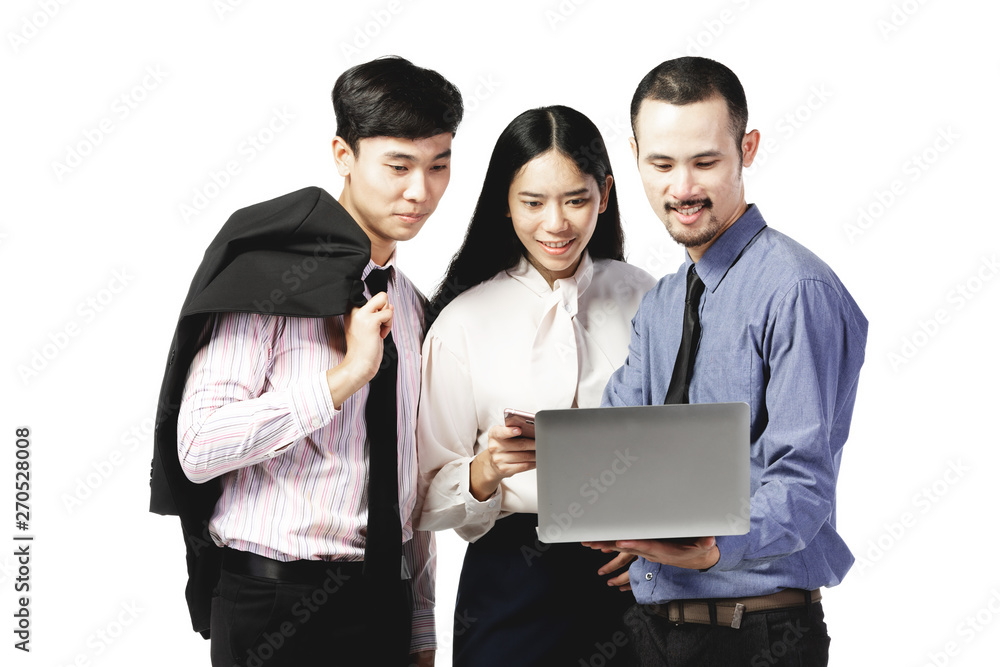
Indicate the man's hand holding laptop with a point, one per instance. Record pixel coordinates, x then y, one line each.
699 553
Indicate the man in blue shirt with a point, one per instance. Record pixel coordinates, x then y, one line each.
779 331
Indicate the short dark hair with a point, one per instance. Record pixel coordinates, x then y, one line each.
491 244
392 97
693 79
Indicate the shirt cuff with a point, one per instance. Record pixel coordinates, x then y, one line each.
732 549
312 405
491 505
423 636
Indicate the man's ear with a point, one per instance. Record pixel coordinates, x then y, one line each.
343 156
750 144
635 148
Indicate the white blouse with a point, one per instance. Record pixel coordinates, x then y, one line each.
514 342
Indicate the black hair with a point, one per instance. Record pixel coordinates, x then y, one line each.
693 79
491 244
392 97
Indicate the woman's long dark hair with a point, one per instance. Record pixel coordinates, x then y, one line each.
491 244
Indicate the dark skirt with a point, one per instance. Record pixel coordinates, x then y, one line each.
524 602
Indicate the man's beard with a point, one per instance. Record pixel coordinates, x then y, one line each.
692 238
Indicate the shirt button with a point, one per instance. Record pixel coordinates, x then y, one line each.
649 576
493 504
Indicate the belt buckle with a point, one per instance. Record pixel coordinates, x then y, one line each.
738 616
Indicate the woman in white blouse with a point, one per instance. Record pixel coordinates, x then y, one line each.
539 307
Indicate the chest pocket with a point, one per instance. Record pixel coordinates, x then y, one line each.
725 363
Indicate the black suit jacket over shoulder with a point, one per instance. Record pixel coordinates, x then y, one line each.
299 255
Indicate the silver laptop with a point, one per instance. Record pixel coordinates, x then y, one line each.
645 472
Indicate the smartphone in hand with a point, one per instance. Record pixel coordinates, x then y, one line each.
522 420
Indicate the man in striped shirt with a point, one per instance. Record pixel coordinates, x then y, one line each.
274 407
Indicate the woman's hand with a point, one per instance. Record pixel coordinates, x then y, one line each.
507 454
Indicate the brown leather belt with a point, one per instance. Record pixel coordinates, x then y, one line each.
729 611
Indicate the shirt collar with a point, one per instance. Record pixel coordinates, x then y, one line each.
727 249
390 265
526 274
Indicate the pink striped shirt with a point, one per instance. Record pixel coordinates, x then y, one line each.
257 411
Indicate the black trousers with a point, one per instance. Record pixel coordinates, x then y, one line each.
260 622
523 603
783 638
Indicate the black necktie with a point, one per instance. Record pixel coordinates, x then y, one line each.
680 381
383 545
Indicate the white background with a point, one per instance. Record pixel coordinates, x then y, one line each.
155 98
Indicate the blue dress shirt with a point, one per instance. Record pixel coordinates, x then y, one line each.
781 333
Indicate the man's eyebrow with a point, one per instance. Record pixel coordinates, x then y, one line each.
396 155
697 156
